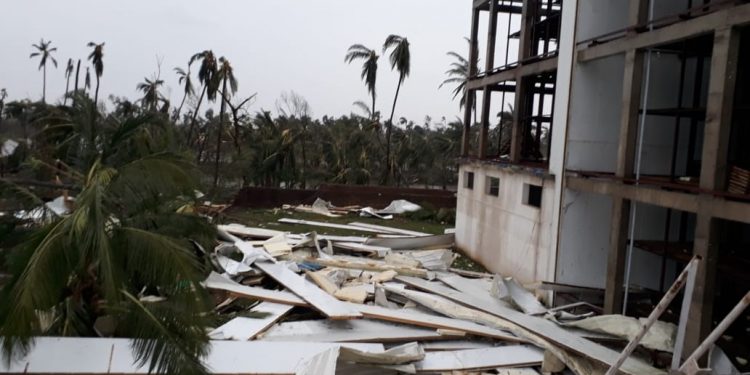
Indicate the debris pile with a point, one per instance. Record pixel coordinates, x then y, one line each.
395 290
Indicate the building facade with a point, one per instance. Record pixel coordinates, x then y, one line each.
625 153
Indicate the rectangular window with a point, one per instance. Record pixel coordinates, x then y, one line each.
469 180
493 186
532 195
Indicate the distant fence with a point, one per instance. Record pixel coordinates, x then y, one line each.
343 195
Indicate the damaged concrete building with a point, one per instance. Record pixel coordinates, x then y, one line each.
624 154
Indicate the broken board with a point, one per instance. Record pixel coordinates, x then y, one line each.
361 330
308 291
216 281
243 329
481 359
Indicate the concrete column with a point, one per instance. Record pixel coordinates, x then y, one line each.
631 98
721 89
524 50
469 104
489 64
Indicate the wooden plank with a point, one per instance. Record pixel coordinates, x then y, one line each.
481 359
387 229
243 329
308 291
371 265
218 282
379 251
326 225
732 16
421 319
361 330
241 230
539 326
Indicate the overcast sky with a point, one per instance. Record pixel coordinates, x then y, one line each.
274 46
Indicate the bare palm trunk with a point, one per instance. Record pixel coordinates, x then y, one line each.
44 85
372 113
219 131
179 109
388 131
303 170
195 115
96 94
78 71
67 87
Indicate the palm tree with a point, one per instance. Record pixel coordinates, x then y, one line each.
401 61
78 70
150 89
44 52
459 74
96 56
369 68
122 241
225 75
68 72
185 80
206 74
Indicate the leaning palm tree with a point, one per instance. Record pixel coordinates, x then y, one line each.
206 74
96 56
68 72
150 90
459 74
185 80
369 68
225 75
44 51
122 255
401 61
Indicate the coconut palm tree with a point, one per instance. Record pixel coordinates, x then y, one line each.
225 75
369 68
459 74
122 255
206 74
150 89
44 52
68 72
183 77
96 56
400 61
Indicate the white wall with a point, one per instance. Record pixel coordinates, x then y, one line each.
502 233
594 118
598 17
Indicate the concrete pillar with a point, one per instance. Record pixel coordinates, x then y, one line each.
489 64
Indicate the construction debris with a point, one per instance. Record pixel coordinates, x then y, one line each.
303 303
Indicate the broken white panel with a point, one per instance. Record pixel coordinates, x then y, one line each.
440 241
277 245
390 230
479 359
522 298
323 363
517 371
370 212
449 231
325 225
660 336
232 267
243 329
251 253
241 230
719 362
433 260
216 281
435 346
400 206
8 148
359 330
83 355
394 356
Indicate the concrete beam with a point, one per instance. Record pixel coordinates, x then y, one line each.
715 207
513 74
733 16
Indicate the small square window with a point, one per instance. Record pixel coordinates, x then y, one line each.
469 180
532 195
493 186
